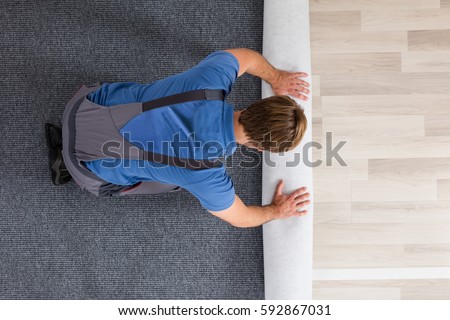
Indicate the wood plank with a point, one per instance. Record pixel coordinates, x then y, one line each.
404 190
332 212
381 256
356 62
369 105
400 169
419 255
405 19
356 256
426 290
410 289
389 126
355 169
429 40
426 233
331 191
335 20
351 234
335 5
315 86
399 212
443 187
384 83
436 125
445 4
355 42
333 182
395 148
357 293
316 129
317 107
419 61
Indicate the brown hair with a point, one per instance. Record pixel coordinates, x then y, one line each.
275 124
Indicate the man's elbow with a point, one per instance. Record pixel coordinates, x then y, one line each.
239 224
235 215
234 223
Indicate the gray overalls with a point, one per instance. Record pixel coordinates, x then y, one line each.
90 130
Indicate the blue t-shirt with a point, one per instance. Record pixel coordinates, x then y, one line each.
197 130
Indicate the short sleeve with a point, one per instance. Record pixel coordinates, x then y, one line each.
215 193
220 69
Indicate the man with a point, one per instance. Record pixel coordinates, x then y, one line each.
210 121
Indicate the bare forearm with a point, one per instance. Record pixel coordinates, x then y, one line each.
242 216
254 216
282 82
255 64
261 68
282 206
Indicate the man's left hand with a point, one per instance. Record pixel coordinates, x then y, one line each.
290 83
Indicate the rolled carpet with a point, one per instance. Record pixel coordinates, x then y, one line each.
288 243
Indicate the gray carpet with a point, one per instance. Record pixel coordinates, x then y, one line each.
63 243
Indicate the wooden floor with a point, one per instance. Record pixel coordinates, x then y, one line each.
381 81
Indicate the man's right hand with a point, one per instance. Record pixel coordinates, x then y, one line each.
288 205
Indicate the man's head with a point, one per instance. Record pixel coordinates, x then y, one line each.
275 124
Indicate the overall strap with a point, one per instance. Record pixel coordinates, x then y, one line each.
194 95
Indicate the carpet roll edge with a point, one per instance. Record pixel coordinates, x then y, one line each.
288 243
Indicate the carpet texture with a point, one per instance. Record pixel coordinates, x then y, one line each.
64 243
